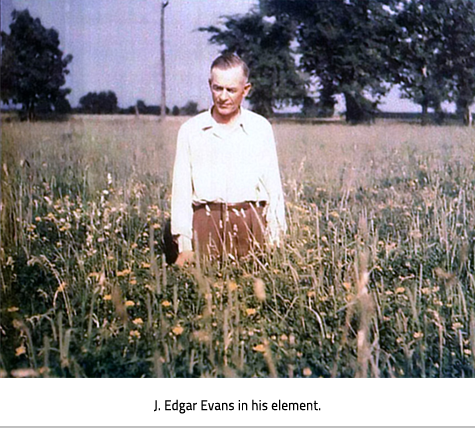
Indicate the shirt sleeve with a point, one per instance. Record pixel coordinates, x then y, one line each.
276 224
182 190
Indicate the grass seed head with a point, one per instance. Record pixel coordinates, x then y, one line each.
259 289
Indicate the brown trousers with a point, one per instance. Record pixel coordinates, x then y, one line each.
221 229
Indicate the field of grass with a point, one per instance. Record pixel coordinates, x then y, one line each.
376 276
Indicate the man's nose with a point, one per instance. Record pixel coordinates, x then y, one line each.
223 95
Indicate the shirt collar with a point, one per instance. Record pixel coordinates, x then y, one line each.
209 122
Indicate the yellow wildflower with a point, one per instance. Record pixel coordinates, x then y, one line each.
95 275
347 285
20 350
178 330
259 348
43 370
65 228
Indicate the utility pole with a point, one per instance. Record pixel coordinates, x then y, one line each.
163 106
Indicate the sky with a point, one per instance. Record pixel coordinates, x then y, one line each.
116 46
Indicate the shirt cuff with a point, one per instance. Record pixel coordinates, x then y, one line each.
184 244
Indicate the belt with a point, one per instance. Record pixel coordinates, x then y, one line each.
215 206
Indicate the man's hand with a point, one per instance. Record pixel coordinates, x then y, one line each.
185 257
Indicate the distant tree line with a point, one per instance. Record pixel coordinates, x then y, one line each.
357 48
107 103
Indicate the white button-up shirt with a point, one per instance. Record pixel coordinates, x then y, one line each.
226 164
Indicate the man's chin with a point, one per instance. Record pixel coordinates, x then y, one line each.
226 112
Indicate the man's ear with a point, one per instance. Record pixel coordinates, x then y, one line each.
247 89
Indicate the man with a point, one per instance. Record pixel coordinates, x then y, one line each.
227 193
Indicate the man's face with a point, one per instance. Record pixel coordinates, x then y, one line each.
228 88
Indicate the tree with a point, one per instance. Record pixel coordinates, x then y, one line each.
264 44
141 107
190 108
33 67
423 71
327 101
346 44
460 55
437 54
99 103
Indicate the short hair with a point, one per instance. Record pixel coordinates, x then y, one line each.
228 61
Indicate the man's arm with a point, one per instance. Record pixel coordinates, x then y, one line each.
276 224
182 190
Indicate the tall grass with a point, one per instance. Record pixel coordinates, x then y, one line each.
375 278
